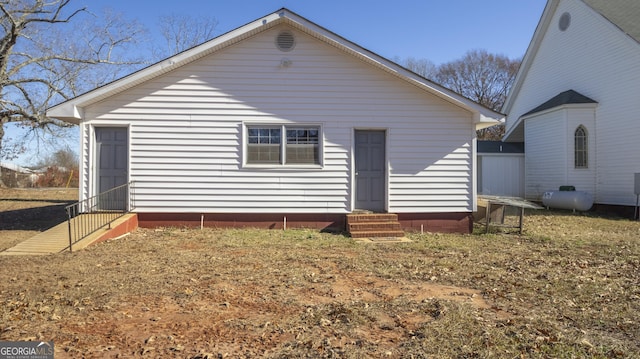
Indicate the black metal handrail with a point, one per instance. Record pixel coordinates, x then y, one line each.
94 213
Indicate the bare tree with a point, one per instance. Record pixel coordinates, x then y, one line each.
483 77
422 67
182 32
44 58
64 158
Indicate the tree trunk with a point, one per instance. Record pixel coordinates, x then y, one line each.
2 185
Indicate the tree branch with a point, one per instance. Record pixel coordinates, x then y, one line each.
41 63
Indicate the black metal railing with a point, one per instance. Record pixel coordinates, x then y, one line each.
94 213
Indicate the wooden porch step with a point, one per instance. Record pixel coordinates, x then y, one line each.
377 234
374 225
374 217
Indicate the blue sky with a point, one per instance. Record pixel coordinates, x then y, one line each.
437 30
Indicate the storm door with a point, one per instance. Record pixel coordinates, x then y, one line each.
370 174
111 162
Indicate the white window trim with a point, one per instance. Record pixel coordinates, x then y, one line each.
283 138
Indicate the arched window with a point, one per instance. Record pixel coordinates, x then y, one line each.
580 148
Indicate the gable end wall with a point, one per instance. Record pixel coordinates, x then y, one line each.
186 133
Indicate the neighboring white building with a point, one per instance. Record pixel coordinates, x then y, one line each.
281 118
501 168
17 176
576 100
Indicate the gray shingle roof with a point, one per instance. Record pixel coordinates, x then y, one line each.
564 98
625 14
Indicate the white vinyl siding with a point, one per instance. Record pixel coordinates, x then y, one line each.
501 174
596 59
546 160
549 148
186 131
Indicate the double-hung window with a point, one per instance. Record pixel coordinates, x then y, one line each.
300 145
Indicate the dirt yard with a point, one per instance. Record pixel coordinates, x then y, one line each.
568 288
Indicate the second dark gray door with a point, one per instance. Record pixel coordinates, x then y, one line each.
370 164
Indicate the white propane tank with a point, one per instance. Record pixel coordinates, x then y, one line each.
575 200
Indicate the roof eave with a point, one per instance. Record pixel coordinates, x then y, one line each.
527 60
532 49
481 121
518 127
566 106
67 111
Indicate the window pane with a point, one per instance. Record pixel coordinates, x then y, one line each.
263 146
263 154
303 145
291 136
275 135
303 135
253 135
302 154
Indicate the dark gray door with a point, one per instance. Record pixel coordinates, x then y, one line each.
111 157
370 170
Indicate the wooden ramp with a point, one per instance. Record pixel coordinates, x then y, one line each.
56 239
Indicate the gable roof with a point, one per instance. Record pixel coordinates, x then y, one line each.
623 14
563 98
72 110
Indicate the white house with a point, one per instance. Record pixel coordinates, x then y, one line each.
281 118
575 102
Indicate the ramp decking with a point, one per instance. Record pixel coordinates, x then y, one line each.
56 239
